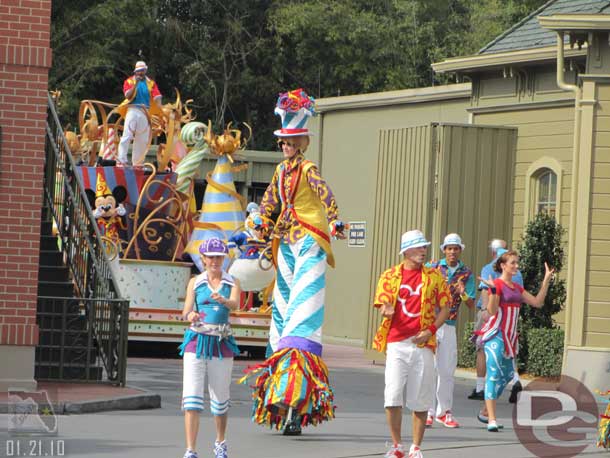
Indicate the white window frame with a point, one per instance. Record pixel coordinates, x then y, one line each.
534 172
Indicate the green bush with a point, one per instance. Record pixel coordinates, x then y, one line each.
545 352
467 352
542 243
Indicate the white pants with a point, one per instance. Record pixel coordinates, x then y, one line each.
219 383
445 362
136 128
409 369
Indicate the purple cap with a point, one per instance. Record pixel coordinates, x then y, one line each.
213 247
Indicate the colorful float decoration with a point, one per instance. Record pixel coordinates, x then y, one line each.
152 251
603 437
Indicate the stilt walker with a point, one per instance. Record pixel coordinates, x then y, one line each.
292 387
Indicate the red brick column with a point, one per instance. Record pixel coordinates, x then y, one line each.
25 59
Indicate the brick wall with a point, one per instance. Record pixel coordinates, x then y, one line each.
25 58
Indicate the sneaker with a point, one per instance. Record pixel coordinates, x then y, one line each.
415 452
517 387
477 395
429 421
190 454
448 421
492 426
220 449
483 419
396 451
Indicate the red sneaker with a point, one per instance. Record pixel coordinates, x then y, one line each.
415 452
448 421
429 421
395 451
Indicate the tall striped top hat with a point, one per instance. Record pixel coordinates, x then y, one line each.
412 239
295 108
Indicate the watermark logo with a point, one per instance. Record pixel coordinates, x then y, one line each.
553 418
31 413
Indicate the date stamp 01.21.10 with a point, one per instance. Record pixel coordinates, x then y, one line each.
32 425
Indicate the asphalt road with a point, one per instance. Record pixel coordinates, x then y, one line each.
359 429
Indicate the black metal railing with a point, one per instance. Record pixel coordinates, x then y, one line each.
81 245
82 339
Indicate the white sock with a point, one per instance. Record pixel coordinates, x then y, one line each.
480 383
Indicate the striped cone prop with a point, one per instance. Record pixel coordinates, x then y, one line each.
219 208
109 151
192 136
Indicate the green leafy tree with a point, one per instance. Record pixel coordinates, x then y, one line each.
542 242
95 45
232 57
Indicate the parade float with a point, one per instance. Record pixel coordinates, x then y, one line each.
151 227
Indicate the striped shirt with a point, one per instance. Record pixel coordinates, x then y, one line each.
507 317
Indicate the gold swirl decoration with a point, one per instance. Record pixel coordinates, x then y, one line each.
174 115
96 118
176 207
227 144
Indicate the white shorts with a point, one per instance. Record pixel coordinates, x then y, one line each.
219 383
409 369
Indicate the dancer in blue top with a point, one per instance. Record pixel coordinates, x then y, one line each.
208 345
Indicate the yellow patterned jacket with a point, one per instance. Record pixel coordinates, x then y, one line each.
307 204
435 293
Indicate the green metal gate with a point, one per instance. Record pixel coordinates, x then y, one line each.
441 178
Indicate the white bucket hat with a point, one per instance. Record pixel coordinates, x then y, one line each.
452 239
412 239
140 65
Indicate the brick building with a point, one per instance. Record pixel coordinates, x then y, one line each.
25 59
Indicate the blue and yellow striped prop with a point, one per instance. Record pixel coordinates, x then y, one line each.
221 211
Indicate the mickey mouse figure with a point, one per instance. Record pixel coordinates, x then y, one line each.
108 208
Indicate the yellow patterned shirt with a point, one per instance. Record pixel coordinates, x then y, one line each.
435 293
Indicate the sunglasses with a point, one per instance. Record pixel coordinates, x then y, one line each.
289 144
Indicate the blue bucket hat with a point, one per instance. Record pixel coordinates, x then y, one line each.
412 239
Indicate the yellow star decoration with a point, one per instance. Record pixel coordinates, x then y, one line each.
46 411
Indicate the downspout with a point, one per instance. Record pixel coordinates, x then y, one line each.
573 192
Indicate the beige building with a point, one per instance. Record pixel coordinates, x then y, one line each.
547 79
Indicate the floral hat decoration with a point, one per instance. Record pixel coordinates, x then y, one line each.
295 108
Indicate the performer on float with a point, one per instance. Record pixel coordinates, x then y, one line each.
292 387
251 242
137 109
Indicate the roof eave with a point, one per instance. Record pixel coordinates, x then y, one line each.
502 59
575 22
400 97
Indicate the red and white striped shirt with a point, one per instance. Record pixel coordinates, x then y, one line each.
506 319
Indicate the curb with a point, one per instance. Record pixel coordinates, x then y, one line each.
130 402
133 402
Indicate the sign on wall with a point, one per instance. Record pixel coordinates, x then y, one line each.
356 234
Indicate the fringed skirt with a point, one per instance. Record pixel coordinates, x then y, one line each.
291 379
209 346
